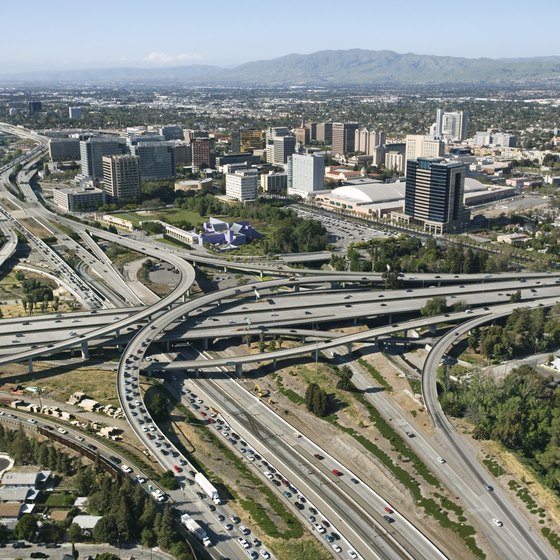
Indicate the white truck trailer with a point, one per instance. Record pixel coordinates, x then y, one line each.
207 487
195 529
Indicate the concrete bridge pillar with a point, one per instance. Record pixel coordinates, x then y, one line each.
238 370
260 274
225 268
30 365
349 347
85 350
296 288
433 329
205 344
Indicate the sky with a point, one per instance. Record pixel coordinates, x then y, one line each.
65 35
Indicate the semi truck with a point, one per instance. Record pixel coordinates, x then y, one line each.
207 487
195 529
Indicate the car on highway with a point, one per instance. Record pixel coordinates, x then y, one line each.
337 548
441 460
244 543
126 469
62 431
140 479
352 554
320 528
388 518
354 481
409 434
388 509
227 526
497 522
234 518
488 488
287 494
32 421
336 472
265 554
177 468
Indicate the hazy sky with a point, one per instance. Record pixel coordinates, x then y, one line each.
63 34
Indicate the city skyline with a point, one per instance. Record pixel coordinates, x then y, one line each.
69 38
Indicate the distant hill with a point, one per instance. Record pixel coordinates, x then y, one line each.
335 67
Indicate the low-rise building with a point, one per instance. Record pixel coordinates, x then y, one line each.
79 199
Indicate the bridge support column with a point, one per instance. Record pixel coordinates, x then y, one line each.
30 365
349 347
432 329
225 268
85 350
196 372
296 288
274 363
260 274
355 321
205 344
118 332
238 370
168 345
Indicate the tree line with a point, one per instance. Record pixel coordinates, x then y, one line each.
521 411
408 254
129 514
526 331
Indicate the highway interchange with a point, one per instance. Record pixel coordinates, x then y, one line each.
288 305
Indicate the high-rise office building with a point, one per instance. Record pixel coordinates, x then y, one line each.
203 154
343 137
280 148
451 125
418 145
434 194
156 160
93 150
64 149
306 173
324 133
35 106
74 112
190 135
303 135
243 184
172 132
312 131
276 131
121 176
246 139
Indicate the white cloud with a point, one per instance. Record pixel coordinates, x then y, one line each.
165 59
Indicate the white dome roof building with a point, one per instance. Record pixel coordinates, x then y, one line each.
364 196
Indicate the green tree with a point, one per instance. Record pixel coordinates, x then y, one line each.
26 527
106 529
74 533
434 306
166 534
159 407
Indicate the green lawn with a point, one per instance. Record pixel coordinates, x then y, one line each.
169 215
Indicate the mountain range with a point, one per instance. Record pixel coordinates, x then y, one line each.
323 68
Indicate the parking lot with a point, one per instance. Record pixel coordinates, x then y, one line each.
343 232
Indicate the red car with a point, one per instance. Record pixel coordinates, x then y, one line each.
177 468
336 472
202 413
388 509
